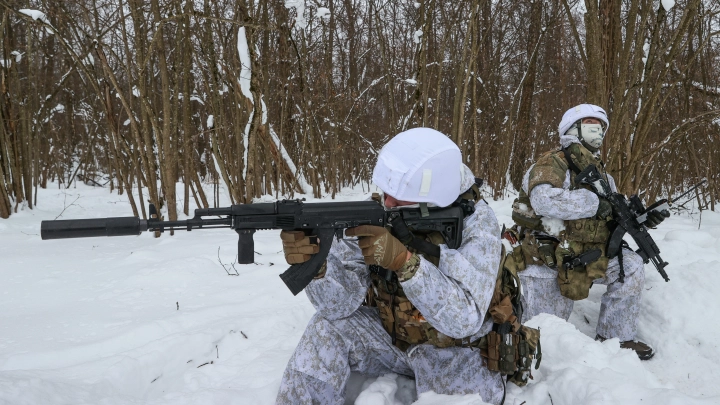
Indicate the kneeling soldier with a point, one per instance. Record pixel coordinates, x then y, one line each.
383 307
557 220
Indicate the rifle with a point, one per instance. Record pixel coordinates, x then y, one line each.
629 216
323 220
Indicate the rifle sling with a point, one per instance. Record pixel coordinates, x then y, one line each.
570 162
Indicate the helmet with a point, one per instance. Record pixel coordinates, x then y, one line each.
420 165
579 112
590 135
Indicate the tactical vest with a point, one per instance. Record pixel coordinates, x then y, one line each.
575 238
407 326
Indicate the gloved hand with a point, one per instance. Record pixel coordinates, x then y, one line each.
654 218
379 246
298 247
604 208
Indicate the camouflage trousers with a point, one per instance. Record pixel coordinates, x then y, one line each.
330 349
619 306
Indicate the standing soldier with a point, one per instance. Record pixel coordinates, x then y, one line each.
556 219
446 319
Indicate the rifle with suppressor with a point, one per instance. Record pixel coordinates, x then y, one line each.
323 220
629 216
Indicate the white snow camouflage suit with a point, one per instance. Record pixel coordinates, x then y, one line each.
344 336
620 305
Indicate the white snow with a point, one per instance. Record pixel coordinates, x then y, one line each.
299 6
89 60
210 121
18 56
668 4
38 16
288 160
553 226
245 71
323 12
417 35
144 320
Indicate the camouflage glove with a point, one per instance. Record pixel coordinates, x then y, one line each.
298 247
604 208
379 246
654 218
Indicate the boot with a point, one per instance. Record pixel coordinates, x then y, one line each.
644 351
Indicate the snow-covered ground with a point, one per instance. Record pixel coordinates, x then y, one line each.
144 320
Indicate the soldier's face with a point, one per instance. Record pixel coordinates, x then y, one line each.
591 121
391 202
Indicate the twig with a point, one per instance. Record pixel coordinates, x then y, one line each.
66 206
178 305
205 364
231 265
551 401
244 335
217 352
156 378
700 221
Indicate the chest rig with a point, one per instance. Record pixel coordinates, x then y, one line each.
540 244
509 348
405 324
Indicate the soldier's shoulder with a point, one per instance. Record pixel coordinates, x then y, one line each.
554 158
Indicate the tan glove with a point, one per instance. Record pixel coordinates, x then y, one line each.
298 247
379 246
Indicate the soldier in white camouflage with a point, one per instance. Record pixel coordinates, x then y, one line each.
430 322
557 219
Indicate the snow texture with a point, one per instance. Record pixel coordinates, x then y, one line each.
245 71
38 16
144 320
323 12
417 35
299 6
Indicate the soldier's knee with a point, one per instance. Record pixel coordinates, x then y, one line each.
633 265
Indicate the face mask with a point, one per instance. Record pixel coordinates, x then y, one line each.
592 134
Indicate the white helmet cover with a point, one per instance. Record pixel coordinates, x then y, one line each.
420 165
579 112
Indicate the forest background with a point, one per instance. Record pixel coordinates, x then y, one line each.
293 96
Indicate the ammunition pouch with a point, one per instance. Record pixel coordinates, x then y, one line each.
402 320
539 249
587 231
524 215
511 353
575 283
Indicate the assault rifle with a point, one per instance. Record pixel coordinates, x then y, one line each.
629 216
323 220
